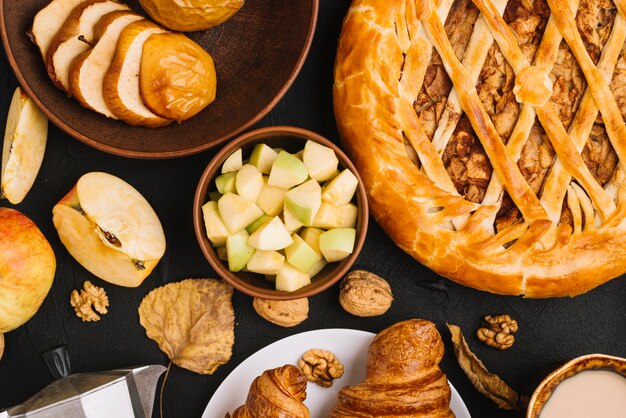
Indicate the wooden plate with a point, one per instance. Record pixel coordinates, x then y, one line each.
258 54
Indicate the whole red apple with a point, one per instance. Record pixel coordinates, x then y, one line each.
27 266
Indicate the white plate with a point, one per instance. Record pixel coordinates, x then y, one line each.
350 346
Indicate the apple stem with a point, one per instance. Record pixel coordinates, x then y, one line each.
167 372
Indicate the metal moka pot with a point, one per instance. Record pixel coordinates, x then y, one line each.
117 393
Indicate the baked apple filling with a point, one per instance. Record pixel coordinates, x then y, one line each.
463 155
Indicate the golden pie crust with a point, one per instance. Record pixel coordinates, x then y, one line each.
490 136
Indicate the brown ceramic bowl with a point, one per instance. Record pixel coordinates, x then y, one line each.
569 369
258 54
290 139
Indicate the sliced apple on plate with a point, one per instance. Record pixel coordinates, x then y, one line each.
287 171
121 82
238 251
75 37
304 201
89 68
340 190
215 228
301 255
266 262
48 21
236 212
290 279
249 182
24 147
337 244
110 229
233 163
320 161
271 236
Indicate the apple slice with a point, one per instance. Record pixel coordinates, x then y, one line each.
301 255
349 214
258 223
340 190
312 237
272 236
25 138
237 212
263 157
233 163
76 36
287 171
121 82
290 279
266 262
110 229
320 161
48 21
291 222
215 229
271 200
328 216
317 267
226 183
249 182
337 243
304 201
238 251
88 69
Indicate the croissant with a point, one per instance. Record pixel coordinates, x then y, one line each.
403 376
277 393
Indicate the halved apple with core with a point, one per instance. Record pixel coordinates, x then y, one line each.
121 82
110 229
75 37
25 140
89 68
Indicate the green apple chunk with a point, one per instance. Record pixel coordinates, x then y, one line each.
226 183
328 216
341 189
271 199
249 182
233 163
337 243
237 212
290 279
291 222
312 237
272 236
320 161
258 223
287 171
317 267
263 157
266 262
349 214
301 255
304 201
215 229
238 251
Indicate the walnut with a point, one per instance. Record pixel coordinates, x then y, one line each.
365 294
497 331
90 295
285 313
320 367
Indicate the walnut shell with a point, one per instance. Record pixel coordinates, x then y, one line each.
285 313
365 294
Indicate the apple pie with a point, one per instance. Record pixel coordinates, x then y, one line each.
490 136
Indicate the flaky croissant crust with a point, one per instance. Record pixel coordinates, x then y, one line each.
403 376
277 393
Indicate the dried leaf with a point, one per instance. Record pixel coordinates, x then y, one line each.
192 322
486 383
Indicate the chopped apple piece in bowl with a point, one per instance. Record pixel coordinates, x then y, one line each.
110 229
300 200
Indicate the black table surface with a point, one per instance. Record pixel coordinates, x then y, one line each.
552 331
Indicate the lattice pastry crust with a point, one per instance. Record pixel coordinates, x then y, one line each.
384 52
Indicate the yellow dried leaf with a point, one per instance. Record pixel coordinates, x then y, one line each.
486 383
193 323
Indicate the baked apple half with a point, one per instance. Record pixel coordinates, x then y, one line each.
110 229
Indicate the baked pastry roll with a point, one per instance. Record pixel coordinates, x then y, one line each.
277 393
403 376
490 136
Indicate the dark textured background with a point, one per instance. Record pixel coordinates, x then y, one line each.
551 331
